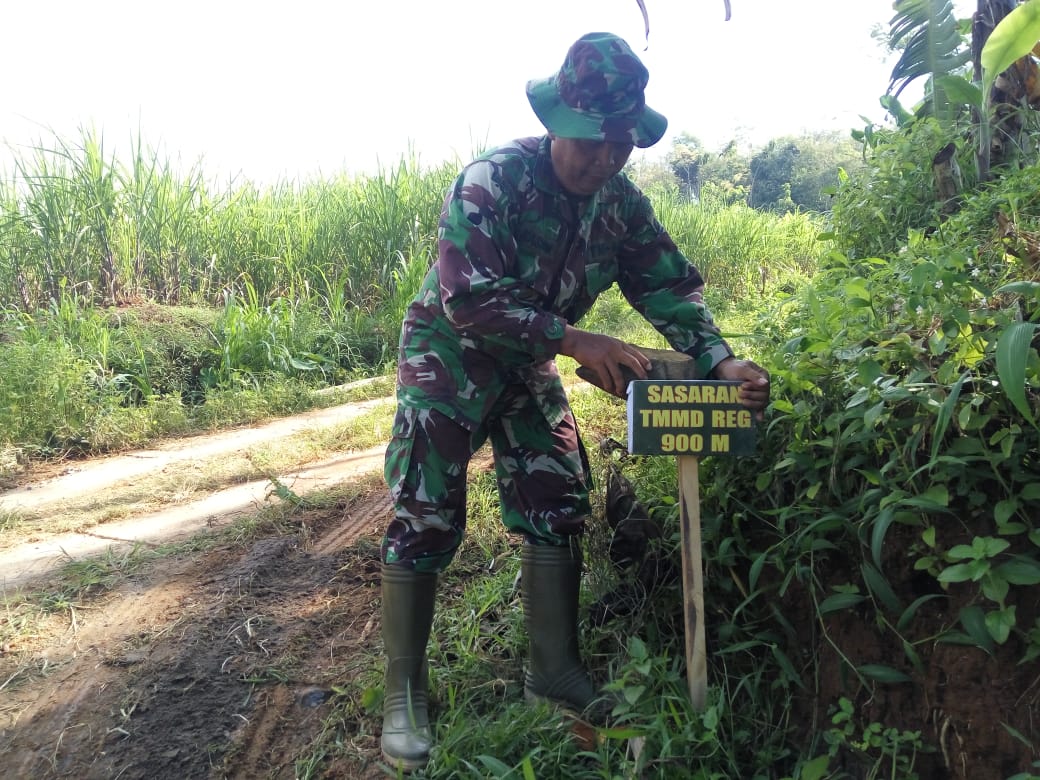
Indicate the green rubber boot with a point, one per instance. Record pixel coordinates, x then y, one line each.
550 578
408 598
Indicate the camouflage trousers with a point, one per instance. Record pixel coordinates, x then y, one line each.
542 474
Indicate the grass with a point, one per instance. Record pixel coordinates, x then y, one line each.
30 618
477 659
120 230
477 656
890 370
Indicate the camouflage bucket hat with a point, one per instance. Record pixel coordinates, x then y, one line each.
598 94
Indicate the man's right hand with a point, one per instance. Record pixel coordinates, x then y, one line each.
605 355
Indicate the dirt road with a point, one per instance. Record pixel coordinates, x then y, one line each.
43 553
220 658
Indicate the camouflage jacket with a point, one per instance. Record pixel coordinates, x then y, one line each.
518 259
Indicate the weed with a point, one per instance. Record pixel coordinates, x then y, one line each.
880 751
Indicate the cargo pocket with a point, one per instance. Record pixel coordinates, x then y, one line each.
399 451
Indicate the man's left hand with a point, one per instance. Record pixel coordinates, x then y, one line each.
754 388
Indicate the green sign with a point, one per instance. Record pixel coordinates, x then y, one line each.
688 417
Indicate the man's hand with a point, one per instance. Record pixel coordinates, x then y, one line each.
604 355
754 388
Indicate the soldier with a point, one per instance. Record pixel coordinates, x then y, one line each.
530 234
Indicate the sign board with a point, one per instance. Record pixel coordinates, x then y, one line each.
688 417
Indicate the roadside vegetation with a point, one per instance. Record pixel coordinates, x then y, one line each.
871 573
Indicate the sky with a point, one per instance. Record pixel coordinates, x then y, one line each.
267 91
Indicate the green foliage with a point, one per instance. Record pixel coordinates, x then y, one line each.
87 379
1014 350
1014 36
312 283
741 251
883 752
928 34
653 177
46 394
902 431
877 207
896 490
771 172
933 46
901 442
686 158
787 174
814 176
72 217
728 174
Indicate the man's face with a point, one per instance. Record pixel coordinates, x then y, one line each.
583 166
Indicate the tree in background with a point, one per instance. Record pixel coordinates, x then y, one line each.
685 159
790 173
822 159
694 166
728 173
654 177
962 135
771 173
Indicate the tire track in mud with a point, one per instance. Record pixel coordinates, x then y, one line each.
300 705
368 516
217 665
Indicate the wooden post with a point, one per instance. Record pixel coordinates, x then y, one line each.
693 581
688 418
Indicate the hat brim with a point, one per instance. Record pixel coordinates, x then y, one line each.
644 130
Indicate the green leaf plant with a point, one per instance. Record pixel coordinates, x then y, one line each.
933 46
883 751
978 562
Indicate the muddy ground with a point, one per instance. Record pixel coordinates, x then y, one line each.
222 659
216 664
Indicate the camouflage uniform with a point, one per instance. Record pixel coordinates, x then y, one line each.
519 258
